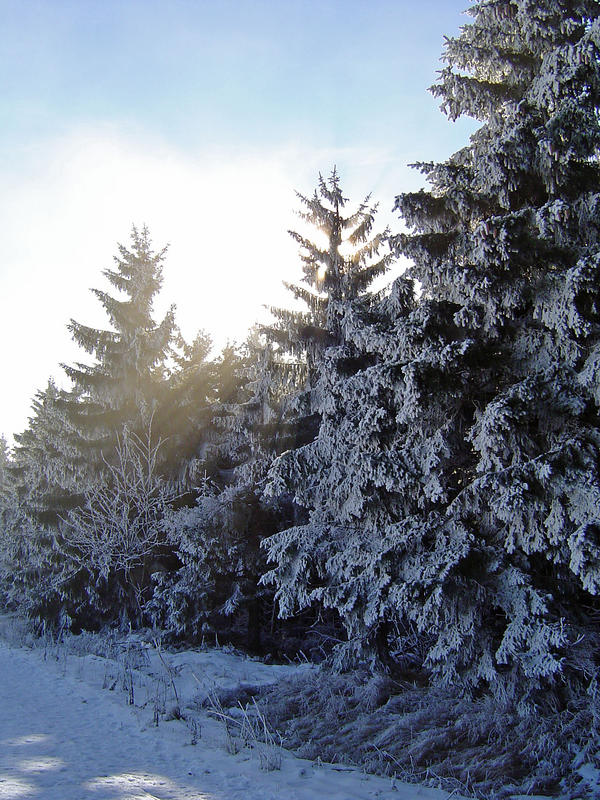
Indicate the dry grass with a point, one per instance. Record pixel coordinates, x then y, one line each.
248 727
420 735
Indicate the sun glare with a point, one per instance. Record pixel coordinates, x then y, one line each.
40 764
12 788
346 248
225 265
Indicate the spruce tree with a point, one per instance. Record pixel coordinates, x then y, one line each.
43 483
313 471
468 508
506 241
217 536
349 480
117 397
184 412
336 272
7 514
332 277
124 383
48 465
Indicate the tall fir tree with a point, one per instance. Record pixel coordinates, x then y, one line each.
332 277
72 444
120 397
337 271
313 471
507 241
217 537
43 484
468 509
184 411
126 380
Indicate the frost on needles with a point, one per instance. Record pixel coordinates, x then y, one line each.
453 490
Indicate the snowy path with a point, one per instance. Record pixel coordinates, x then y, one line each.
60 740
64 738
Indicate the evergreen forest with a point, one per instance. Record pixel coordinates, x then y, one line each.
402 483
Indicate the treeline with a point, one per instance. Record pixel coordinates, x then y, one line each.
411 474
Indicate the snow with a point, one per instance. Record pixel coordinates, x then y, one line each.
65 737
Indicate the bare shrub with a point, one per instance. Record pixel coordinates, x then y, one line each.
119 527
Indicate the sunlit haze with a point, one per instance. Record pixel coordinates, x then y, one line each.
200 120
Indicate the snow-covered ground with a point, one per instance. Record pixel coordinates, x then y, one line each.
76 726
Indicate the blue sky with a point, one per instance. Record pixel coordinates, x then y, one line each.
200 119
224 71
